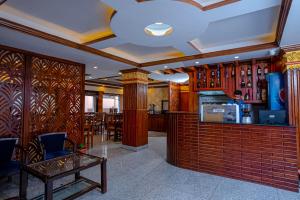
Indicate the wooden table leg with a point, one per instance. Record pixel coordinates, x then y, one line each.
49 190
23 184
77 176
103 177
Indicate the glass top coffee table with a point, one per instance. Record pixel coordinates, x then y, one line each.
59 167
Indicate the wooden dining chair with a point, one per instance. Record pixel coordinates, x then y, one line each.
88 135
111 125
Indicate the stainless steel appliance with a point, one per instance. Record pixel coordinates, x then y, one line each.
222 113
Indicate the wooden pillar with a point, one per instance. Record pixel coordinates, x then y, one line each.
135 114
292 71
100 101
174 95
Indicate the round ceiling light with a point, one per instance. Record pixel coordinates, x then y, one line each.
158 29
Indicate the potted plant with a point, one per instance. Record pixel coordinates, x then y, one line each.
82 148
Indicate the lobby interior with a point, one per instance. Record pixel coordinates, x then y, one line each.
150 99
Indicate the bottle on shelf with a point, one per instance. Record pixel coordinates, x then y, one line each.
199 75
212 83
247 96
233 71
243 83
218 71
249 83
259 71
198 84
218 84
242 72
266 70
212 74
264 86
204 79
259 83
249 71
258 95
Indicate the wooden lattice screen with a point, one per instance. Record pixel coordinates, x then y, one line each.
40 94
12 70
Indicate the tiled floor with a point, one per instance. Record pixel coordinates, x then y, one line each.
146 175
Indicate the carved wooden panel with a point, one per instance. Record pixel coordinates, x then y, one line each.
12 72
56 98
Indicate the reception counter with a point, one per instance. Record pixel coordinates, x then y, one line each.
259 153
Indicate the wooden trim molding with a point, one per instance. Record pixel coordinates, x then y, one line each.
212 54
59 40
284 12
203 8
100 39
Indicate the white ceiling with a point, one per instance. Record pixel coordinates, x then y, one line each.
240 24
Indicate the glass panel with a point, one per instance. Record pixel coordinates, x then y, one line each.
67 190
89 104
63 164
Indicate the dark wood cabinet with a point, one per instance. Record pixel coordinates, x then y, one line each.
157 122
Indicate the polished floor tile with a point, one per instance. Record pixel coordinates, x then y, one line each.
145 175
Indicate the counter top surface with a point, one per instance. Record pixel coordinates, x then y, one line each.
254 124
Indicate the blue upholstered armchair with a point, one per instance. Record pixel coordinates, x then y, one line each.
54 145
8 167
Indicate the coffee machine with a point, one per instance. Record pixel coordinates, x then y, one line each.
247 114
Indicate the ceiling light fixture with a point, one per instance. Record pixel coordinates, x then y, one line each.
197 62
236 57
90 77
166 67
95 67
158 29
120 73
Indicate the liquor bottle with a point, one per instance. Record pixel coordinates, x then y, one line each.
212 83
243 84
249 83
198 84
249 71
247 96
264 86
218 83
199 75
233 72
258 95
266 70
218 72
242 72
259 84
259 72
204 79
212 74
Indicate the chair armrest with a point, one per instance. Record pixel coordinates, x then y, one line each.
74 148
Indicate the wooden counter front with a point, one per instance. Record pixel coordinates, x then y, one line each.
258 153
157 122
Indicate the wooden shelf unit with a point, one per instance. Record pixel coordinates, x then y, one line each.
230 83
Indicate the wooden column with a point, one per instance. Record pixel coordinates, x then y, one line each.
174 96
292 69
100 101
135 128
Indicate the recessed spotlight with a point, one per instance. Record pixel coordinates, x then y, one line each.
90 77
120 73
197 62
165 66
95 67
236 57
